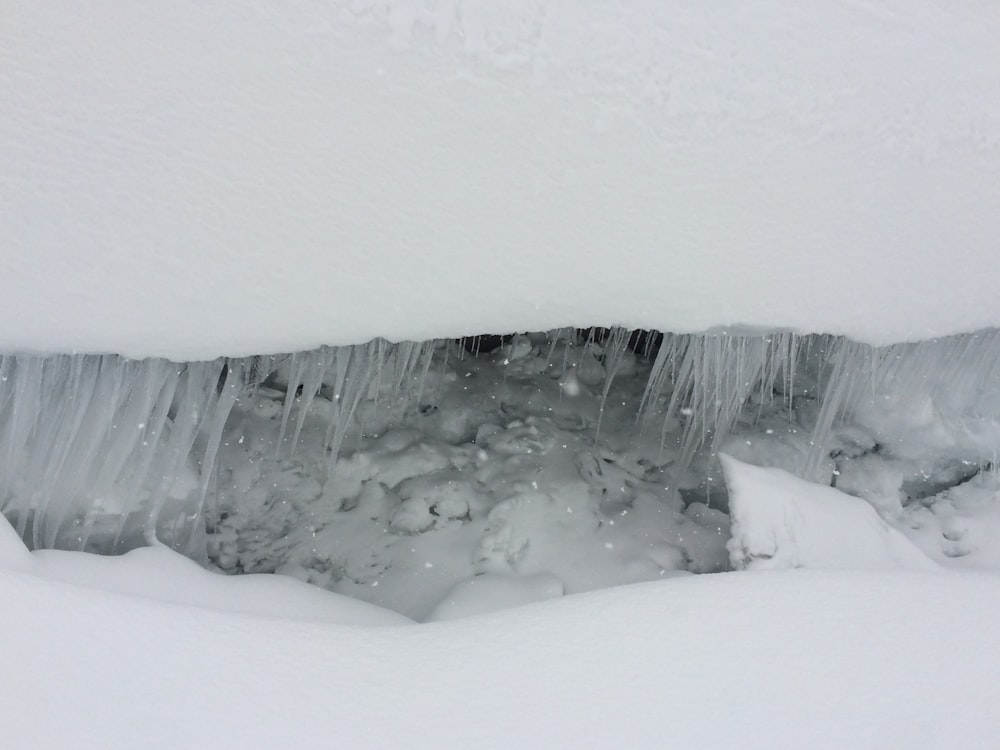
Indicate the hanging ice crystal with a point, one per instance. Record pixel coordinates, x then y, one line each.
710 378
101 452
94 448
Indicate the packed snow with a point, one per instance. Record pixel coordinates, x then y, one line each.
199 180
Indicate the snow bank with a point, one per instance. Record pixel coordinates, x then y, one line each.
780 521
166 576
789 659
189 180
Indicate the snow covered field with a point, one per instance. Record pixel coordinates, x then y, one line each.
754 536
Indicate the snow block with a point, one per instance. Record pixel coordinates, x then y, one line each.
780 521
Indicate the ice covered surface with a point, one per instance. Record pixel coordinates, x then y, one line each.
190 180
166 576
785 659
780 521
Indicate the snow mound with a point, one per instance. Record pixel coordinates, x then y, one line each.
162 574
491 592
781 521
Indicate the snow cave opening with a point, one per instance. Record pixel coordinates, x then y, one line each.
537 463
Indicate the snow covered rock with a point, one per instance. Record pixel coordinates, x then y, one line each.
781 521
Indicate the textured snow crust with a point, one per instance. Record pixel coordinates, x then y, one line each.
190 180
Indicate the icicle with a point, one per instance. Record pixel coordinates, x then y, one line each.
88 439
314 371
300 361
710 379
615 351
197 395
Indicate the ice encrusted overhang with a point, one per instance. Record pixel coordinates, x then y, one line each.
102 452
188 181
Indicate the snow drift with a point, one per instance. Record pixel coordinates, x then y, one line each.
786 659
161 574
188 181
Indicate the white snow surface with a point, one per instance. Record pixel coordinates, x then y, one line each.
164 575
189 180
780 659
780 521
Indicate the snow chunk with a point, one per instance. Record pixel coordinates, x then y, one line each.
781 521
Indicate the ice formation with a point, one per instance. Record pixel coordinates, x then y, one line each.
85 435
105 453
290 179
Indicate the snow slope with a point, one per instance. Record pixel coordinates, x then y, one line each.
789 659
190 180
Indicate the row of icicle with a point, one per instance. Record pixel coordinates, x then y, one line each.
79 432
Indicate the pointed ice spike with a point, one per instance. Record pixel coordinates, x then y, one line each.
312 380
196 396
296 372
615 349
